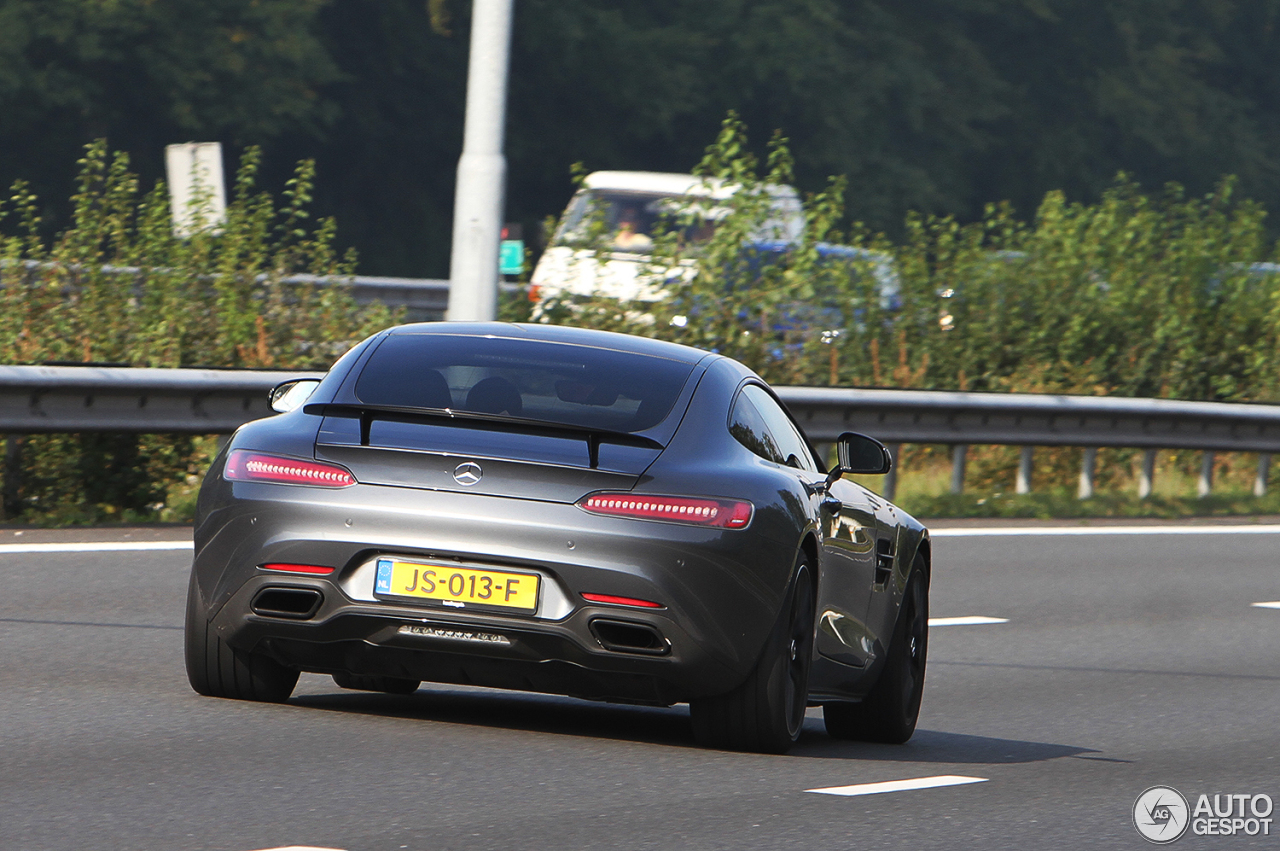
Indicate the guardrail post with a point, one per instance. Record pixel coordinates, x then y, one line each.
1204 485
1264 471
1146 478
1025 460
958 453
891 478
1087 466
12 471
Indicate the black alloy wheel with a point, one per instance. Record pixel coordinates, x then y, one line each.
766 712
891 709
799 652
215 669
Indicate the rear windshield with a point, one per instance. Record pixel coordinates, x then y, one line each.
533 380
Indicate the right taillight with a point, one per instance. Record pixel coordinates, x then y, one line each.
245 466
694 511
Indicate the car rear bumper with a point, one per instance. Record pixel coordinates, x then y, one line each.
563 657
721 591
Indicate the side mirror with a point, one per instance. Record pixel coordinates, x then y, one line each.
288 395
859 454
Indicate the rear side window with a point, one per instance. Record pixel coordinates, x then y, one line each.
760 424
524 379
749 428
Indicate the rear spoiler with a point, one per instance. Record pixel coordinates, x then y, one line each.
488 422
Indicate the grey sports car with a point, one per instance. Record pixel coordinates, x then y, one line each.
559 510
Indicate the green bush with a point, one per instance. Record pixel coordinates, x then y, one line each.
118 287
1134 295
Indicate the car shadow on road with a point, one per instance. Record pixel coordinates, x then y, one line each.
517 711
932 746
661 726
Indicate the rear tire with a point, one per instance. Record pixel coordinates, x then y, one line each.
890 710
766 712
215 669
387 685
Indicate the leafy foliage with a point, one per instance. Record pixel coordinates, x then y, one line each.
118 286
264 289
1134 295
939 106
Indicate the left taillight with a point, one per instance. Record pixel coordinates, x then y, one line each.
246 466
309 569
695 511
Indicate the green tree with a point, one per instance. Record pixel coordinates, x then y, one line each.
146 74
1166 90
893 95
939 106
389 163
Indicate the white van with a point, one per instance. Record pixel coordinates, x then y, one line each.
629 205
624 208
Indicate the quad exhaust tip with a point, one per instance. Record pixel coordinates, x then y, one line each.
292 603
629 637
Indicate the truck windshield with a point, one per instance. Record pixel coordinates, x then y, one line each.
630 221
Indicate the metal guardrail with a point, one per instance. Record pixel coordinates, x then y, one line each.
424 299
1030 420
931 416
50 399
45 399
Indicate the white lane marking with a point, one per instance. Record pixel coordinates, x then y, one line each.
1011 531
1272 605
99 547
302 848
967 620
899 785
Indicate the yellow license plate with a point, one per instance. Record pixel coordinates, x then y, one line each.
458 587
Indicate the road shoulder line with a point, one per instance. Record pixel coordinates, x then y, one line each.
96 547
1015 531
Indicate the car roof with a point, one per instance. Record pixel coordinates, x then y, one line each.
672 184
561 334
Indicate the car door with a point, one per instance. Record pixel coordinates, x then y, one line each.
847 523
849 539
884 594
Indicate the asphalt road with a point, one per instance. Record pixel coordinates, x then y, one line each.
1126 661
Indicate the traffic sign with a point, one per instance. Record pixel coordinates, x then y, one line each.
511 257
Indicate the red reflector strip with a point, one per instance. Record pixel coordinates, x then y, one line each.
244 466
727 514
740 516
622 601
313 569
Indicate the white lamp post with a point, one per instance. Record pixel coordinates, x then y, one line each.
482 169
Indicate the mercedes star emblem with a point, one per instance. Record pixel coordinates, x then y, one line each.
468 473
